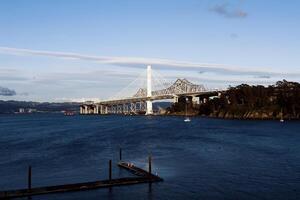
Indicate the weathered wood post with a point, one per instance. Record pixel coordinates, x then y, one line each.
29 178
149 162
120 154
110 170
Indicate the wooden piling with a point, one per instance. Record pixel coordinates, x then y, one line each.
110 170
150 164
120 154
29 178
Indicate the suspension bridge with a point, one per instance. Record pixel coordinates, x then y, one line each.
138 96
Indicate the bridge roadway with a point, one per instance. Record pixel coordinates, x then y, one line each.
156 98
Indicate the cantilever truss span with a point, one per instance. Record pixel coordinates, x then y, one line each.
181 86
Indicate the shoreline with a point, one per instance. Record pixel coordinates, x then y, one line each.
166 115
234 118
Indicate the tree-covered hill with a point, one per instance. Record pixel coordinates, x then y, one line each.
251 102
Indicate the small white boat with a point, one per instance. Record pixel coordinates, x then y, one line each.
187 119
281 120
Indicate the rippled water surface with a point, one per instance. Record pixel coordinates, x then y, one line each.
203 159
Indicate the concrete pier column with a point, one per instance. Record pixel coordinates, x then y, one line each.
195 100
101 109
175 99
95 111
85 109
119 109
125 108
144 106
133 107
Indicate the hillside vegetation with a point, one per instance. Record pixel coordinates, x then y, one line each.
250 102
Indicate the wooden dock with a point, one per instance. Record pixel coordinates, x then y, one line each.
143 176
139 172
73 187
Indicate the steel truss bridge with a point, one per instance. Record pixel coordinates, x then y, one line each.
141 101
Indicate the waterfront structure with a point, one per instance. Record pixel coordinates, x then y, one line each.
141 102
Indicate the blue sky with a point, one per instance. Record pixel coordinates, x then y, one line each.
60 50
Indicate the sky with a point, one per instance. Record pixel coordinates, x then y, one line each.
63 50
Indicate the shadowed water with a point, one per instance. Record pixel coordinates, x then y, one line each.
203 159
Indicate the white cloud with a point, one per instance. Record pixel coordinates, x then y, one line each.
141 62
105 81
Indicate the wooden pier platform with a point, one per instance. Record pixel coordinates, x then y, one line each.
143 177
138 171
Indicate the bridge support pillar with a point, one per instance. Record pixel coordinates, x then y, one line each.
101 110
175 99
149 110
196 100
86 109
133 107
119 109
125 108
96 109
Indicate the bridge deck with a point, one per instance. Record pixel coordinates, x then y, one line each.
154 98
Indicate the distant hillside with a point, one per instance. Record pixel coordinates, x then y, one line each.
250 102
14 106
7 107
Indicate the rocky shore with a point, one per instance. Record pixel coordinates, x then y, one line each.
264 115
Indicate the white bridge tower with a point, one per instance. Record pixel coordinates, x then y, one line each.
149 90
